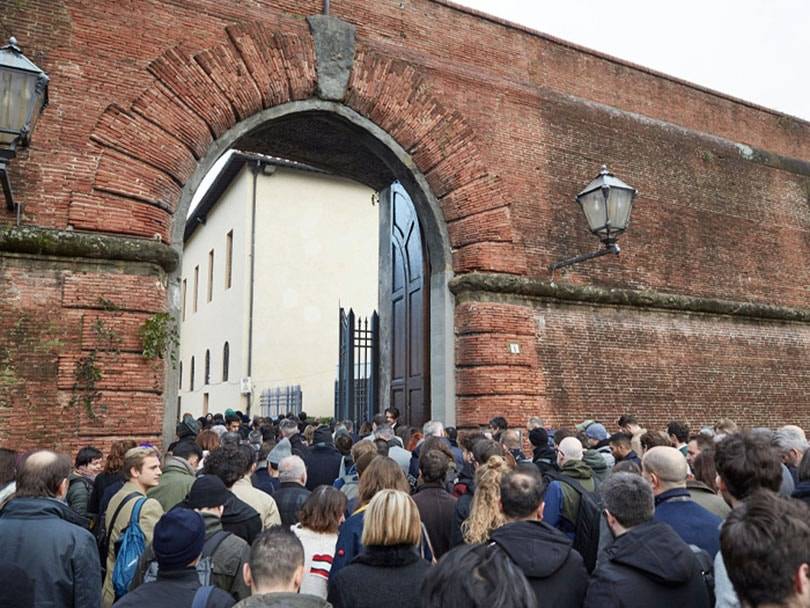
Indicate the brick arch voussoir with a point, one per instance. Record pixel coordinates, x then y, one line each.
395 96
150 149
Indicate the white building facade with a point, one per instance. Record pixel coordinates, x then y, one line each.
263 278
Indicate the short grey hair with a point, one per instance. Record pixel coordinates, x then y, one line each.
535 422
790 437
384 431
292 468
288 427
433 428
629 498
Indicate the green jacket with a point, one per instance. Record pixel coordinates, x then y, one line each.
175 482
228 559
580 471
78 494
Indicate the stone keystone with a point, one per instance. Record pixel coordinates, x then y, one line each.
334 52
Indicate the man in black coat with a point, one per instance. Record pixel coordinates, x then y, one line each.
45 538
647 564
322 460
555 571
292 494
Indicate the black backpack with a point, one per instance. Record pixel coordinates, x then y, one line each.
706 570
586 526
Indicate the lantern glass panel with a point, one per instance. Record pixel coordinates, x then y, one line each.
620 202
593 205
17 101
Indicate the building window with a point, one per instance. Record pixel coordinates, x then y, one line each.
210 275
228 259
183 299
180 382
191 376
207 367
205 404
196 288
226 355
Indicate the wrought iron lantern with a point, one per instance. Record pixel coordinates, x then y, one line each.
606 202
23 96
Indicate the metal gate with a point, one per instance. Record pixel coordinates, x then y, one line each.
357 386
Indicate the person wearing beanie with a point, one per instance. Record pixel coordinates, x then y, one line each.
177 543
322 460
599 441
239 517
543 455
227 551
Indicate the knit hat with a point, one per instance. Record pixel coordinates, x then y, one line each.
596 431
187 427
207 491
538 437
282 450
323 435
178 539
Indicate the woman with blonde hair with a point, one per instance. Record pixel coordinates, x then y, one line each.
485 514
389 571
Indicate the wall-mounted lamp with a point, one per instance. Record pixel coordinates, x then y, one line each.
607 202
23 96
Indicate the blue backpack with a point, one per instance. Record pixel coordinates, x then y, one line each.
129 549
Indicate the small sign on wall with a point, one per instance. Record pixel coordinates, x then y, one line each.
514 348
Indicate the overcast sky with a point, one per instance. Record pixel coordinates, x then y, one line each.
757 50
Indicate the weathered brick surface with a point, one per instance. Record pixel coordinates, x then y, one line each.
505 132
137 293
111 213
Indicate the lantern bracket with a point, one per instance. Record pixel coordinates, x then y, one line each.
609 248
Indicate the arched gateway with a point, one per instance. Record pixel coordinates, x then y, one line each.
491 128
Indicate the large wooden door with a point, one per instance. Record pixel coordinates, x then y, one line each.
406 300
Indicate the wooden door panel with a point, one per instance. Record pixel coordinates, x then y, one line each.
409 387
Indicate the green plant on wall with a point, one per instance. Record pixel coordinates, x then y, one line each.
86 377
160 337
87 373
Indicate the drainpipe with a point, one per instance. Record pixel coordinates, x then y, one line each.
255 169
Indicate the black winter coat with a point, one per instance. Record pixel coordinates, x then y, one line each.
649 565
289 499
172 589
241 519
323 465
380 576
44 537
555 571
460 513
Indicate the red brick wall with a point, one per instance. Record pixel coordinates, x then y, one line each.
505 124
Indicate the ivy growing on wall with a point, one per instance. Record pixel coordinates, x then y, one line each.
87 373
160 337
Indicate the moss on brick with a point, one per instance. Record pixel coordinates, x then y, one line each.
65 243
511 285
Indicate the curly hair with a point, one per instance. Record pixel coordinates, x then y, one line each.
115 459
485 513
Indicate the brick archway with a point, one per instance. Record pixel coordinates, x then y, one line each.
156 151
151 149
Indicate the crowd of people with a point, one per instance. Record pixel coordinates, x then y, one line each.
296 512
